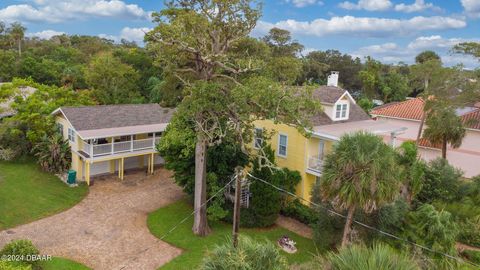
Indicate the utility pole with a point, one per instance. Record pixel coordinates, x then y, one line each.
236 205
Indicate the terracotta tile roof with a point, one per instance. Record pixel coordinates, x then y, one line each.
426 143
409 109
116 116
472 119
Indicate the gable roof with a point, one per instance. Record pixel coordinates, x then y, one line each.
115 116
330 95
410 109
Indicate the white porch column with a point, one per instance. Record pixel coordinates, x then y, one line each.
153 143
90 148
111 144
131 143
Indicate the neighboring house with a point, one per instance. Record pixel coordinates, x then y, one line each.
5 107
409 114
340 115
112 138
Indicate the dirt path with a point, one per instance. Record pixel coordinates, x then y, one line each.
108 229
294 226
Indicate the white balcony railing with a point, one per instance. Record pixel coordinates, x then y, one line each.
96 150
315 164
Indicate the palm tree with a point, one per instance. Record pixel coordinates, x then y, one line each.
444 127
361 172
53 154
17 32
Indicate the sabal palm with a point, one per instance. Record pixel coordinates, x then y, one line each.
361 172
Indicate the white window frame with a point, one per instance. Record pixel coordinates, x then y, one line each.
60 128
255 138
341 103
71 135
321 149
286 145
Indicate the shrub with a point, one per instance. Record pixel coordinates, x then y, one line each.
441 182
299 211
472 255
327 231
391 217
266 202
470 232
21 248
248 255
4 265
359 257
53 154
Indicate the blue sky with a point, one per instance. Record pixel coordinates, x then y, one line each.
389 30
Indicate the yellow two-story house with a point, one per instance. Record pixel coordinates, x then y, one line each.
340 115
112 138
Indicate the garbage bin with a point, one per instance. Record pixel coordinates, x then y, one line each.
72 177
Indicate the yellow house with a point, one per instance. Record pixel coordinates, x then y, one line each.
340 115
112 138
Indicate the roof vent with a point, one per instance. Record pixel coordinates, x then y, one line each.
333 79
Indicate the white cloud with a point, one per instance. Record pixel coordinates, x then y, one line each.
110 37
370 5
363 26
134 34
394 53
304 3
54 11
45 34
418 5
472 8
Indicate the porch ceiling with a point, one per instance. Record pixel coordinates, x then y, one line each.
336 131
120 131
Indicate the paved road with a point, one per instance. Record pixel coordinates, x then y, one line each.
108 229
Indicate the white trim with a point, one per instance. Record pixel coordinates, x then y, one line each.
286 145
349 97
347 112
64 115
325 136
392 117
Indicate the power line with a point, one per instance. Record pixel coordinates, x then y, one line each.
366 225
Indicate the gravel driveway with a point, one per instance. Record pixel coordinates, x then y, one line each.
108 229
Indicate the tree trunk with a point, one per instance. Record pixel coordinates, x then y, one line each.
420 128
20 47
348 226
444 148
200 225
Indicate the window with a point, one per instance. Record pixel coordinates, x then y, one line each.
341 111
282 145
60 129
321 147
71 135
258 138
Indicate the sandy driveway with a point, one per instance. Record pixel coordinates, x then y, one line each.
107 230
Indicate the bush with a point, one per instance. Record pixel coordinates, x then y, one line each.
266 202
248 255
54 154
299 211
391 217
470 232
23 248
4 265
359 257
441 182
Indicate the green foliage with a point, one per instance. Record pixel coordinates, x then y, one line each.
427 56
436 230
113 82
413 170
4 265
469 48
366 104
392 217
54 154
359 257
471 255
469 232
22 248
249 254
441 182
299 211
394 87
266 202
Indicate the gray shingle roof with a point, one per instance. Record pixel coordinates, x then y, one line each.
330 94
114 116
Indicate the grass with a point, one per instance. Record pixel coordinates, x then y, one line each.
61 263
160 221
28 194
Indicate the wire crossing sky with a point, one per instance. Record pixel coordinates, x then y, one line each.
390 30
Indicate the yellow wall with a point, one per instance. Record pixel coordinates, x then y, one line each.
299 148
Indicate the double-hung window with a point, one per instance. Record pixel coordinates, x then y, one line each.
258 138
341 111
71 135
282 145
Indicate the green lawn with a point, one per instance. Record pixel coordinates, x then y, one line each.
63 264
195 247
28 194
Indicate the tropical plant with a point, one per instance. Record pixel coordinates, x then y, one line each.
53 154
444 127
413 170
435 230
441 182
360 173
360 257
392 217
249 254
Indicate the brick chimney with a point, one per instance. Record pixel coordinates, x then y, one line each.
333 79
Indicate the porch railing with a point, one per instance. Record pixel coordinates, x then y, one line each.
95 150
315 164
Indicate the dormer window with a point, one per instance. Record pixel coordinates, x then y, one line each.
341 111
